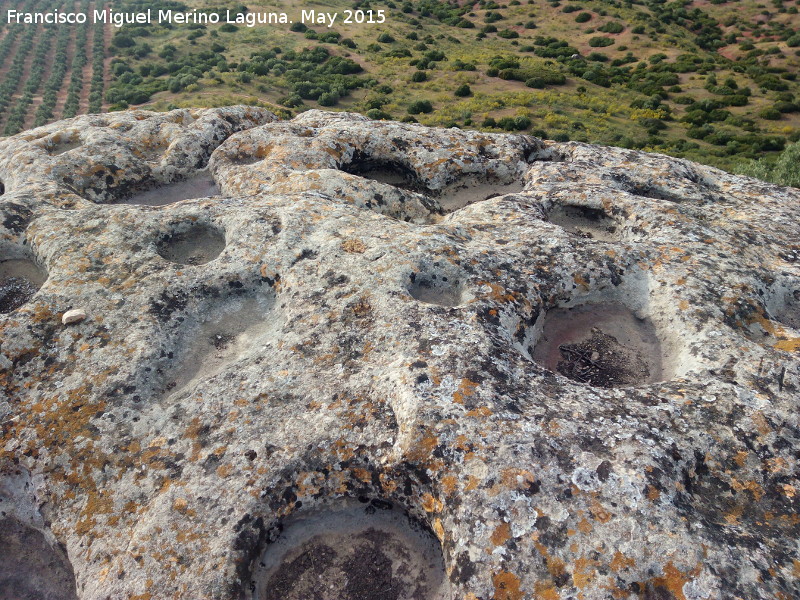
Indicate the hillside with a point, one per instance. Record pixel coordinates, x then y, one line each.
711 81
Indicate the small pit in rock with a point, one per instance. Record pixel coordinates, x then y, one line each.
31 569
196 246
585 222
226 333
20 279
353 552
461 194
383 171
64 146
201 185
603 345
787 309
433 288
2 188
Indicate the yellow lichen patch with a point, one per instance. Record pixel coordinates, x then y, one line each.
497 292
362 475
652 493
545 591
674 579
431 504
584 526
584 572
790 345
555 566
180 504
600 513
465 389
449 484
354 246
506 586
481 411
501 534
620 562
422 451
581 281
438 529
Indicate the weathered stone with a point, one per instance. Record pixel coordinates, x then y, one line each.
586 388
75 315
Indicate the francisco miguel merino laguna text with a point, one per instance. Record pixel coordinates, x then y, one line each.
249 19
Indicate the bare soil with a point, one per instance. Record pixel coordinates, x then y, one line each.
354 553
20 279
603 345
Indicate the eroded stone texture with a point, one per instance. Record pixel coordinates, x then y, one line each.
322 346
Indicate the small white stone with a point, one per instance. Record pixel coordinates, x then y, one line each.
76 315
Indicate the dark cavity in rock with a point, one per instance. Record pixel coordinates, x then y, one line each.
384 171
31 569
20 279
603 345
201 185
352 553
436 288
197 246
585 222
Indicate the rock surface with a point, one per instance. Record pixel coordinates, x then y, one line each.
360 317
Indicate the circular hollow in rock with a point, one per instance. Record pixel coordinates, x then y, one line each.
30 569
603 345
200 185
196 246
20 279
585 222
383 171
433 288
353 552
785 307
463 193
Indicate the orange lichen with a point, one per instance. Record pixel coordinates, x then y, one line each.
449 484
431 504
620 562
506 586
501 534
674 579
465 389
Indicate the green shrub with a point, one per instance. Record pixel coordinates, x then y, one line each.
611 27
583 17
600 42
770 114
385 38
328 99
782 171
462 91
419 76
420 106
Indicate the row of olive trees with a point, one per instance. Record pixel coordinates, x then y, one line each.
98 70
16 118
79 60
13 77
46 111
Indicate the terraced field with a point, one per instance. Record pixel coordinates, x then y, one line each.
714 81
49 72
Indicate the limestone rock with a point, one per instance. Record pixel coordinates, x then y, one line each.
572 371
75 315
